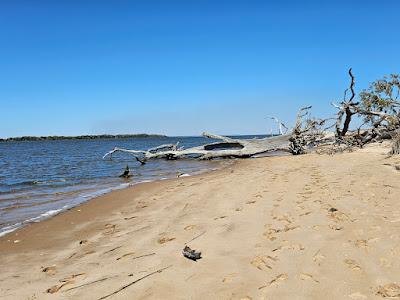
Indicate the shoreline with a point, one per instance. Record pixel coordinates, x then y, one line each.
287 227
96 194
129 189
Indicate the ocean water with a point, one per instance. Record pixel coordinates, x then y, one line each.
39 179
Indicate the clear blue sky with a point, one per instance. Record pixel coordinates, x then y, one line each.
181 67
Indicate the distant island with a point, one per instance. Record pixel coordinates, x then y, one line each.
81 137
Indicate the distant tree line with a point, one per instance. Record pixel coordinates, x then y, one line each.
81 137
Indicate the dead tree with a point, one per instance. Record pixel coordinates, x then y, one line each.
346 109
226 148
309 132
304 134
379 108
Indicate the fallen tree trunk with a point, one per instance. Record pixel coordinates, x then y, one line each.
304 134
227 148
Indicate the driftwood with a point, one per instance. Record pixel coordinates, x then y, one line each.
226 148
191 254
126 173
304 134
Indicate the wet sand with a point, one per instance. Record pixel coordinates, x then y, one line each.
305 227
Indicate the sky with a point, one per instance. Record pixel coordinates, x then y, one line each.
184 67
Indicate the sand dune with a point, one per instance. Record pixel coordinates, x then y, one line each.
306 227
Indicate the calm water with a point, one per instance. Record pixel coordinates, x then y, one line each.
39 179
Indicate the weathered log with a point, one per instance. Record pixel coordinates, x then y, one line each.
304 134
228 148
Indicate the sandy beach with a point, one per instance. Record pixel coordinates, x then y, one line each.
293 227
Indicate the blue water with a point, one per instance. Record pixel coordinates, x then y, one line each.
39 179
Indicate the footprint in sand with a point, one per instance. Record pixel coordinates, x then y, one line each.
163 240
277 280
285 218
357 296
361 244
51 270
229 278
271 232
335 227
337 216
56 288
306 276
390 290
69 278
141 205
318 257
109 229
288 246
384 262
64 282
290 228
316 227
190 227
263 263
352 264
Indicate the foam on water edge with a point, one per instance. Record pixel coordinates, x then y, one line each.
79 200
74 202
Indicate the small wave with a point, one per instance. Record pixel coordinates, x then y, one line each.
184 175
74 202
34 182
45 215
28 182
49 181
79 199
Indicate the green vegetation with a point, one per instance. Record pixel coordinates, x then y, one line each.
81 137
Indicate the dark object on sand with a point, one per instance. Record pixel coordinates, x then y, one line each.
191 254
332 210
127 173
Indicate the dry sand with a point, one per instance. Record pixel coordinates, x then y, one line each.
306 227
